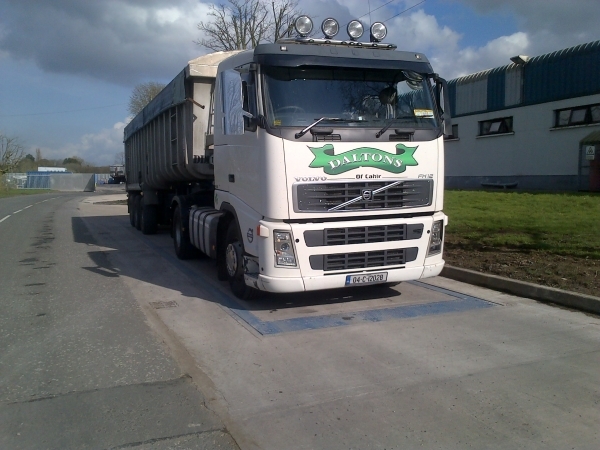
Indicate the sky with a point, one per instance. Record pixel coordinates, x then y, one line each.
68 67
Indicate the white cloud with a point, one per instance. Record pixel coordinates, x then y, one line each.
94 148
421 32
550 24
120 41
469 60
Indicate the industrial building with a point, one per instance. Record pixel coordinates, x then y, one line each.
533 124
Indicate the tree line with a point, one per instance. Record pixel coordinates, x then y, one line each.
13 159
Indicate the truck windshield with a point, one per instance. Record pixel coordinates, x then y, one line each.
296 97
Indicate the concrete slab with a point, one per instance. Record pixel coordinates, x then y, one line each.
114 415
512 374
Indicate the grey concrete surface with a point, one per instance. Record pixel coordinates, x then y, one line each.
110 417
80 366
514 374
575 300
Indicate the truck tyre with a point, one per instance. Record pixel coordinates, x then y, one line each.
181 239
149 219
137 211
234 262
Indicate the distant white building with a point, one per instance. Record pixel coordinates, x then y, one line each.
51 169
532 124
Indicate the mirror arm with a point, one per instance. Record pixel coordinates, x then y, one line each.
442 86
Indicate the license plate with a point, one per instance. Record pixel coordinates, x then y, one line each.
366 278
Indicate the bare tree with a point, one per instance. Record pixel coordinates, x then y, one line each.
237 26
142 94
243 24
120 158
11 153
284 14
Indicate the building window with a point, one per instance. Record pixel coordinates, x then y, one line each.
454 134
501 125
578 115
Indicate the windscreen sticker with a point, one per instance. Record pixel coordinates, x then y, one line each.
363 157
423 113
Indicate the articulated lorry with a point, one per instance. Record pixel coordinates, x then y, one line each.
117 173
306 164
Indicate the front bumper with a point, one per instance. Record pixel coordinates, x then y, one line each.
336 281
308 276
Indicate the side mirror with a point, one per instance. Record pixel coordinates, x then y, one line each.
231 91
442 92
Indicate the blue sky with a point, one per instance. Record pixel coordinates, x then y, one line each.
67 67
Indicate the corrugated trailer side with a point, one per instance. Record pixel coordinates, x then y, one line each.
170 140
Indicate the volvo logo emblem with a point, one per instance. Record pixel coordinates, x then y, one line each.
367 195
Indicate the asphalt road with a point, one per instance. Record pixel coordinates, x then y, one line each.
436 365
80 366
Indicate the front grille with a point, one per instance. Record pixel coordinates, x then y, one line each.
363 260
358 196
362 235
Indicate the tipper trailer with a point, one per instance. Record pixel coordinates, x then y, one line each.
302 165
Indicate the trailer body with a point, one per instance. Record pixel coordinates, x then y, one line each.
300 165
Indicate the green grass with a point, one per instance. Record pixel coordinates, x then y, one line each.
564 224
14 192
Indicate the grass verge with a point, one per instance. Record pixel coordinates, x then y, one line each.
14 192
565 224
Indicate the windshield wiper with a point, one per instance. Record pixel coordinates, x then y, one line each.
389 124
318 121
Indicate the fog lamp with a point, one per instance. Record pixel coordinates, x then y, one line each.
355 29
378 32
303 25
330 28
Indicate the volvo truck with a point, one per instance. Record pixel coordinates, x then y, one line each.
307 164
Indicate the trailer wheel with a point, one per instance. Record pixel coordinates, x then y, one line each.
234 262
149 219
181 240
137 211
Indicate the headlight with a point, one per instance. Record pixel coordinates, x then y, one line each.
330 28
303 25
284 249
436 238
378 32
355 29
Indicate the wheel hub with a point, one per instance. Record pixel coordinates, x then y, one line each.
231 260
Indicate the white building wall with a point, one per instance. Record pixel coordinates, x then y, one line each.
534 148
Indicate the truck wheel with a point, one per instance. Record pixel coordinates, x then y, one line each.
149 219
137 211
234 262
181 239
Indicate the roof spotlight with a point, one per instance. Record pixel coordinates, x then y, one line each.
378 32
330 28
355 29
303 25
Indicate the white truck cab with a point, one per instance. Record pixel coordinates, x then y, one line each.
328 166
